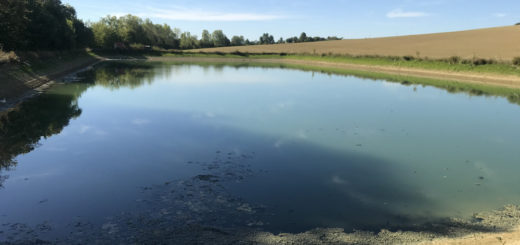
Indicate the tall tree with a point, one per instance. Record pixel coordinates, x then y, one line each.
40 24
238 41
303 37
219 39
266 39
13 23
188 41
205 39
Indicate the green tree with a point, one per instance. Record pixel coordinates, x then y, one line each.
303 37
205 40
238 41
13 23
219 39
133 30
188 41
292 40
105 32
266 39
40 24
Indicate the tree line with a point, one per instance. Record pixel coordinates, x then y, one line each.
41 24
136 32
52 25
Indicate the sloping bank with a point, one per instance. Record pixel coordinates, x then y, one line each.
26 78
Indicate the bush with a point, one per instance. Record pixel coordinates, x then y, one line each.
516 61
479 62
454 60
408 58
518 24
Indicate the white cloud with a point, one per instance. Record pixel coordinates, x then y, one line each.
178 13
500 15
84 128
399 13
140 121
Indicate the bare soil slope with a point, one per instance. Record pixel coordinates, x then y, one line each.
501 43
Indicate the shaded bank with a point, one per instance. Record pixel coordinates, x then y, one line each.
34 72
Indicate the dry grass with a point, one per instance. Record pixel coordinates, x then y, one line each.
499 43
8 57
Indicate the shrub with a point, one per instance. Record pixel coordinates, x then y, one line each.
516 61
479 62
408 58
454 60
518 24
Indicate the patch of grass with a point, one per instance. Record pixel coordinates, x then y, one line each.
455 63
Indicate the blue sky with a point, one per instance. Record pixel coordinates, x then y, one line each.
285 18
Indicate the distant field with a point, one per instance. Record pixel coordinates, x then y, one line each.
500 43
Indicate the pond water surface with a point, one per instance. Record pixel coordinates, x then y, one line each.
166 145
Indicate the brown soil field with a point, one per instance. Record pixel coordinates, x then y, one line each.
500 43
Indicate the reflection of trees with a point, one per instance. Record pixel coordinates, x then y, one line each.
22 128
116 75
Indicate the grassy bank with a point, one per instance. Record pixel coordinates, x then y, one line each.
451 64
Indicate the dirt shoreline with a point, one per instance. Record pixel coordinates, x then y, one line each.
494 227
